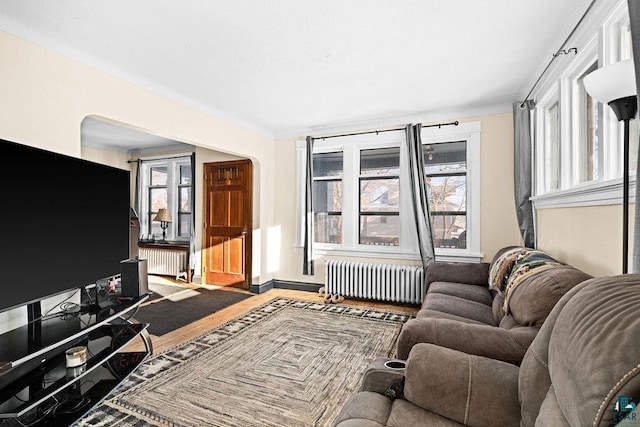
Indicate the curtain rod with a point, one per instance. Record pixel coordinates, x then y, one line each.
560 51
159 158
385 130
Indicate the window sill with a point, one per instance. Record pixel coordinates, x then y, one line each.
444 255
449 255
374 252
591 194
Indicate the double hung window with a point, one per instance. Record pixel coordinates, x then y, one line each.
588 153
446 176
185 204
166 184
327 202
379 187
157 196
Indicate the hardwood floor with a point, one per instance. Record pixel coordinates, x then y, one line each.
178 336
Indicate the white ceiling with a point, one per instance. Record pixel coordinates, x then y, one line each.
296 67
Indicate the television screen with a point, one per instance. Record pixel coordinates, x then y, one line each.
65 223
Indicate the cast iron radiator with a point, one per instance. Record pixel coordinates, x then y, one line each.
385 282
173 262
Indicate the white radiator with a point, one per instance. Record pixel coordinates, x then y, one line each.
171 262
386 282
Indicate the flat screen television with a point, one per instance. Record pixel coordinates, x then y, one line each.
64 223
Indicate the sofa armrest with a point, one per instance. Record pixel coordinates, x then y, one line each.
458 272
508 345
378 377
364 409
471 390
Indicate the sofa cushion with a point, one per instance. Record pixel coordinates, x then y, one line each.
433 314
534 380
369 409
533 299
508 322
496 307
508 345
456 385
459 306
466 272
406 414
475 293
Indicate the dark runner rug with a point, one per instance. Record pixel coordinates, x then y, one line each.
184 307
161 290
285 363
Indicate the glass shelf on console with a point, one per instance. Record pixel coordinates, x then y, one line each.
41 336
44 393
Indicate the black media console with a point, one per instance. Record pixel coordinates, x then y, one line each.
37 388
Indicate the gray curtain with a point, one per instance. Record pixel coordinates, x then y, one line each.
192 240
419 194
634 15
522 163
136 204
307 263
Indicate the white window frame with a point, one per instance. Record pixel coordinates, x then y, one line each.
351 146
469 132
173 180
574 118
546 102
408 248
597 39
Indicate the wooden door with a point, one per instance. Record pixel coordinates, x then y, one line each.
228 223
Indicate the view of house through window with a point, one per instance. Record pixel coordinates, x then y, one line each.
446 175
327 197
158 197
380 197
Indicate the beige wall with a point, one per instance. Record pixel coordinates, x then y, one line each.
497 208
499 225
589 238
46 96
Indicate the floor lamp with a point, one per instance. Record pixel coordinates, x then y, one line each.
616 85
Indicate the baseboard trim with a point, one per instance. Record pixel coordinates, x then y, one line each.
257 288
285 284
297 286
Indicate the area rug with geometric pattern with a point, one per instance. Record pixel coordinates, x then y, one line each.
285 363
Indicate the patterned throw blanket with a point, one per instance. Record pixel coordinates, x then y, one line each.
514 266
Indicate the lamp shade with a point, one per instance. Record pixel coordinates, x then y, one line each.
163 215
612 82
